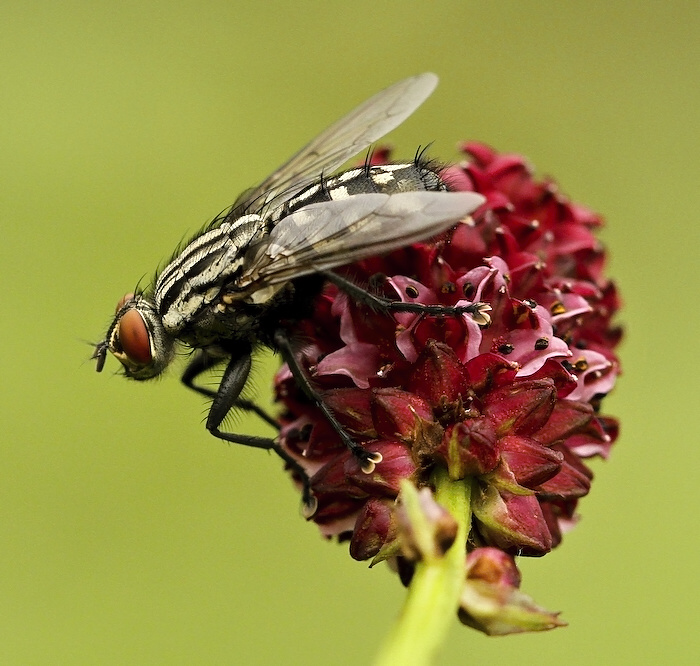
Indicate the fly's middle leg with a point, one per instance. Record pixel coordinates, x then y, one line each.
367 459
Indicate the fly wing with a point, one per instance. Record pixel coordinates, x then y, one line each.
345 138
326 235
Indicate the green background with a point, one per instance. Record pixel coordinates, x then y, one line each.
127 533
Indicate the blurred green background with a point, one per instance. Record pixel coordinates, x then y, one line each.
127 533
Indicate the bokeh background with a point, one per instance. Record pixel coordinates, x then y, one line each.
127 533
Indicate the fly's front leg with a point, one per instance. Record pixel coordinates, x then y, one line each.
478 311
367 459
201 362
232 383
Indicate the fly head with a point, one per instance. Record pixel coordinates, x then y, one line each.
137 339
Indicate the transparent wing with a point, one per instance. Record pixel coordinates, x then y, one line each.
326 235
345 138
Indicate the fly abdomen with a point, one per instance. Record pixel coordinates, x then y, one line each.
385 179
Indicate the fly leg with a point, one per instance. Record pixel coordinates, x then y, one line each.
367 459
228 396
201 362
478 311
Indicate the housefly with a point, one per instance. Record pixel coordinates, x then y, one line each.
243 281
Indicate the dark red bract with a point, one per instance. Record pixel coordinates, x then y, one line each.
512 404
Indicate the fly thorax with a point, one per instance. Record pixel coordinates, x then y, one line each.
192 282
211 327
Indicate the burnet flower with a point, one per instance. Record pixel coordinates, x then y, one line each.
505 398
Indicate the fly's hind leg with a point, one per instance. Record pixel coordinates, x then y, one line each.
478 311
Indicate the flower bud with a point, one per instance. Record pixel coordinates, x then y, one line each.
491 601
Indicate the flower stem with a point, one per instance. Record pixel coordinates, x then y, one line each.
435 589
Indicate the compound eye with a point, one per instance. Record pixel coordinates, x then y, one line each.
123 300
134 338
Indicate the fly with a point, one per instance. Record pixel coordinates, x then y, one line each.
254 270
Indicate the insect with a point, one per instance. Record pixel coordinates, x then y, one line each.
255 269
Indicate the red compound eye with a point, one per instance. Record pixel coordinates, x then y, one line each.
134 338
124 299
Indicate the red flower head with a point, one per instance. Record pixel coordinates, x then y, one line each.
508 395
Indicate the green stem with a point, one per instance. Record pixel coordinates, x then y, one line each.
433 595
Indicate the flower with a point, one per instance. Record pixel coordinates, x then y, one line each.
507 395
